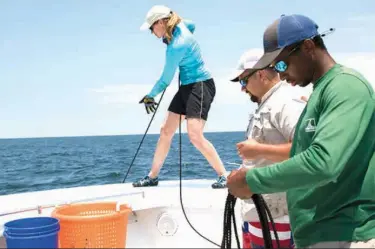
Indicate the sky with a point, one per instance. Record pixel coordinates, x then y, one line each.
80 67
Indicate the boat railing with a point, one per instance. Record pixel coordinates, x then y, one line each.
40 208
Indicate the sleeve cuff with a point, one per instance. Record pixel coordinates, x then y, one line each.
252 182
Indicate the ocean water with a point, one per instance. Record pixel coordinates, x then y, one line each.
33 164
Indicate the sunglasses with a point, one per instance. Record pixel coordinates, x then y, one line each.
282 66
152 26
244 80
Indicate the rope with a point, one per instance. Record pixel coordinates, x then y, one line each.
148 127
180 176
263 211
229 215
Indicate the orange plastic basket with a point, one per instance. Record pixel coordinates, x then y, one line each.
92 225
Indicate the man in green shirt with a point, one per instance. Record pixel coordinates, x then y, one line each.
330 176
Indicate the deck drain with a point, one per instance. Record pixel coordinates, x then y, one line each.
167 225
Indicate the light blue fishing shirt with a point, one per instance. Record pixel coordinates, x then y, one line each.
183 52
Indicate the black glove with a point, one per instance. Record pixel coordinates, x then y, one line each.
150 104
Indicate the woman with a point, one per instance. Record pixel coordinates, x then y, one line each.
194 97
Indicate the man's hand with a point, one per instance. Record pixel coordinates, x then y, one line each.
248 149
150 104
237 185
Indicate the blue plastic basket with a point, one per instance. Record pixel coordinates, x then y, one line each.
37 232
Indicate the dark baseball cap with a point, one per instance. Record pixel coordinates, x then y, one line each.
285 31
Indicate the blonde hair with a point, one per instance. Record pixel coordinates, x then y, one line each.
170 24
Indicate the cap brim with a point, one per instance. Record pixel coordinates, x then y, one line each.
235 75
267 59
144 26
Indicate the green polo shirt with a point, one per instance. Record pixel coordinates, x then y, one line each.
330 177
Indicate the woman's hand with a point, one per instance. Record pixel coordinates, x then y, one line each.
150 104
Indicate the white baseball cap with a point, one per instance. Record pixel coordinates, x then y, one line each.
156 13
246 61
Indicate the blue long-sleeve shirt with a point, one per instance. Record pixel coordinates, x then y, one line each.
182 52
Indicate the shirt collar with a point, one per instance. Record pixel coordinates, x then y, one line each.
270 92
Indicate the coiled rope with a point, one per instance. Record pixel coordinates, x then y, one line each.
262 210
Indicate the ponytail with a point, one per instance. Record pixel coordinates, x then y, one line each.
171 23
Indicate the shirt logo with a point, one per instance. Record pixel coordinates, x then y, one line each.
311 125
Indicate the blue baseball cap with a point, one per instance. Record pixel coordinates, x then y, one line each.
285 31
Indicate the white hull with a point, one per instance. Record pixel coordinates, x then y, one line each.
157 219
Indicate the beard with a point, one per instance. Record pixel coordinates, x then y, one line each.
253 98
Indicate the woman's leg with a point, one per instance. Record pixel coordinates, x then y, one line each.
198 106
167 131
195 128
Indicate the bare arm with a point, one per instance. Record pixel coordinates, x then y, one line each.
250 149
274 152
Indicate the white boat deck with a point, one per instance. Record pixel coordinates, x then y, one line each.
157 219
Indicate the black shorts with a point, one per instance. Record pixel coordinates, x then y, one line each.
194 100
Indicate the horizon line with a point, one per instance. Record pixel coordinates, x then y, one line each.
105 135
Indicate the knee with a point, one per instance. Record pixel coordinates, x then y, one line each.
166 132
196 138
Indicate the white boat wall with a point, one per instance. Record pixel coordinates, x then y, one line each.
157 220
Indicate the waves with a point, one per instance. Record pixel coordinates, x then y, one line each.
49 163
